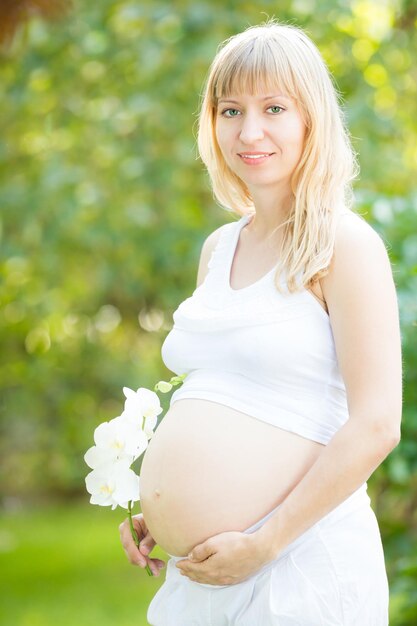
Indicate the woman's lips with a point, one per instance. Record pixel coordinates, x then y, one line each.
255 158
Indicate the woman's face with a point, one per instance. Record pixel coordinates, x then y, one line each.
269 124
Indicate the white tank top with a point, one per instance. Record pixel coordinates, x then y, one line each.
269 355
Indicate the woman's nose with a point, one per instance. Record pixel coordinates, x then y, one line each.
251 130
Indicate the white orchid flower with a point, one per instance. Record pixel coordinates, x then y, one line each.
97 457
113 485
118 443
141 404
116 440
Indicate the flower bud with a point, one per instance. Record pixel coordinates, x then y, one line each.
163 386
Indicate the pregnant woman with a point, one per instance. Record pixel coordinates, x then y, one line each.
255 480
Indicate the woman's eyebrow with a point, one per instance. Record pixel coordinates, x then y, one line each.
278 95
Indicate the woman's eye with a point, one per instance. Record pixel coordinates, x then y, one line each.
275 106
229 111
235 112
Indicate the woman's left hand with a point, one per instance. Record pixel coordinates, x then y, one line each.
224 559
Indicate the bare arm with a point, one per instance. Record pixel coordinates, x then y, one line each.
360 293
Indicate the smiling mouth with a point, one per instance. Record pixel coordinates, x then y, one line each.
254 155
255 158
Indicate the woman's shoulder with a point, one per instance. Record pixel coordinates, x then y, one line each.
208 247
354 231
359 252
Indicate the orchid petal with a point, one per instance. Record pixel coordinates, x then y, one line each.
96 457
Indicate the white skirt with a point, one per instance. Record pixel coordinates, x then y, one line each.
332 575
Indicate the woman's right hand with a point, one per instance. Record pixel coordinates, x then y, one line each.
139 556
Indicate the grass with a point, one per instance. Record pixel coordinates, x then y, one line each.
66 566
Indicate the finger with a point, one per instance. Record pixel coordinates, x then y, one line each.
201 552
189 569
146 541
156 565
130 548
182 565
134 556
139 526
139 556
139 523
147 544
126 537
194 577
195 570
124 529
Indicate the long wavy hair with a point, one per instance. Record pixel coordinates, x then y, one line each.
257 60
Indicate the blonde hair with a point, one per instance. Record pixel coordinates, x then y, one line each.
256 60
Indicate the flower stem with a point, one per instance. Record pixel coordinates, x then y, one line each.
134 533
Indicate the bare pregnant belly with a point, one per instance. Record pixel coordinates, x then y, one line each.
210 469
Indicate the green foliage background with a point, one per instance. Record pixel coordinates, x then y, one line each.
104 208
